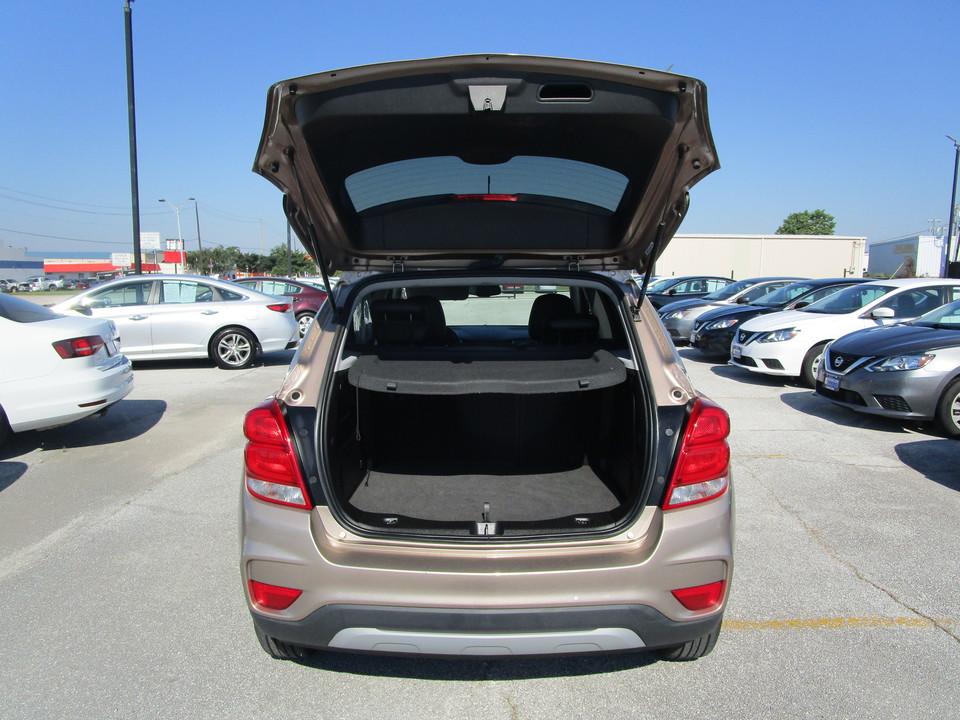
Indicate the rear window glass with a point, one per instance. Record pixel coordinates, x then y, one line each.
544 176
25 311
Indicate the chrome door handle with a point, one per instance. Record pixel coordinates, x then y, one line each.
139 317
209 312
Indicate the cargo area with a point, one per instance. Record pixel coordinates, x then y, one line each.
528 462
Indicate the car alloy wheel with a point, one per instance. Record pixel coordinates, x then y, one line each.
234 349
304 321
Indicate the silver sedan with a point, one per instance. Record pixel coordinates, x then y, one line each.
909 371
163 317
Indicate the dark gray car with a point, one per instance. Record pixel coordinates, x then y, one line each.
909 371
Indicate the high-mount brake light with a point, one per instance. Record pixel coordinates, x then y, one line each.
270 462
79 346
273 597
702 471
279 307
701 597
485 197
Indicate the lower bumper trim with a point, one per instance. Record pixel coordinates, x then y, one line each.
491 632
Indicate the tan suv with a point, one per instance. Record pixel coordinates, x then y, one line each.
451 469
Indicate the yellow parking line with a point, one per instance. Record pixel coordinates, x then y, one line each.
836 623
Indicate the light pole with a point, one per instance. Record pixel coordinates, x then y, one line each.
176 208
953 205
132 123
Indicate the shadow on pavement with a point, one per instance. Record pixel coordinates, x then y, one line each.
808 402
10 472
472 670
125 420
279 358
938 460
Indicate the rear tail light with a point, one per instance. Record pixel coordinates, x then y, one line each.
702 471
270 462
79 346
273 597
701 597
279 307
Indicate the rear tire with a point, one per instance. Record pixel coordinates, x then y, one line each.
811 362
282 650
692 649
4 427
947 417
304 320
233 349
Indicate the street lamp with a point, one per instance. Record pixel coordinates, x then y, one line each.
176 208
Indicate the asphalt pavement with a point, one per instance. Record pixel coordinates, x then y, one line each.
122 597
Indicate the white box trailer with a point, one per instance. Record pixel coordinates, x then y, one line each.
921 254
744 256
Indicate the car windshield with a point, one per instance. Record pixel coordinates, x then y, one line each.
730 290
782 296
945 318
849 300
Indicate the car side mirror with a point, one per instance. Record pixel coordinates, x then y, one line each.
801 304
743 301
882 313
672 291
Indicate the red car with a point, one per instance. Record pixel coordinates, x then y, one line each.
306 298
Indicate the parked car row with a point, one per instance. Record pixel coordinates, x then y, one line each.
884 347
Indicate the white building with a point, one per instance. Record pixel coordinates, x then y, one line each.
745 256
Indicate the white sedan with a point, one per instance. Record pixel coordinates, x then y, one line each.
165 317
56 369
791 342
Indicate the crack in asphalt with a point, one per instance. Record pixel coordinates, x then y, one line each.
834 555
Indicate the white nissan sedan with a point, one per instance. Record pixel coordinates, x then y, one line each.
167 317
56 369
791 342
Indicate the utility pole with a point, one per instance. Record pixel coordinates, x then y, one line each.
196 209
132 124
949 254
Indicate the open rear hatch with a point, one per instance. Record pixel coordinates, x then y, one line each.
509 160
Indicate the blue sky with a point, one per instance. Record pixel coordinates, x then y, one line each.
840 106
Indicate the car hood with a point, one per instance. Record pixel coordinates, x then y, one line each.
897 340
798 319
727 311
687 305
488 160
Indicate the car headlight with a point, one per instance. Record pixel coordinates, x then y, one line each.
721 324
900 362
778 335
675 315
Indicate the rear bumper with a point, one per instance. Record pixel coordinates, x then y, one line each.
448 632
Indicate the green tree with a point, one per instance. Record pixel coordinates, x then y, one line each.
213 261
300 262
815 222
